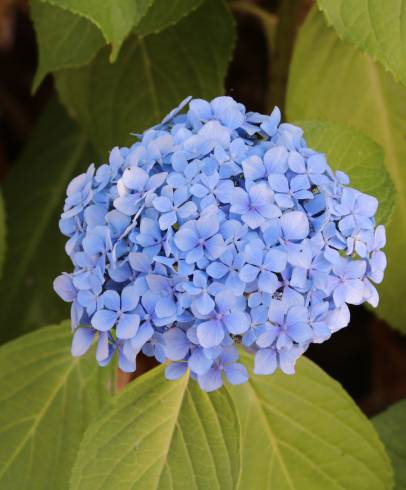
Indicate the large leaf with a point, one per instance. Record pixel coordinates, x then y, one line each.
47 400
80 41
34 193
357 155
163 14
150 77
391 426
305 432
354 90
114 18
160 434
374 26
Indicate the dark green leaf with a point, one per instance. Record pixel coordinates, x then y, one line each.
391 426
47 399
150 77
357 155
163 14
305 432
34 193
354 90
115 19
160 434
77 46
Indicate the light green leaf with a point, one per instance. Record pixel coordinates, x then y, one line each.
47 400
305 432
391 426
151 76
354 90
34 193
163 14
160 434
3 228
77 46
357 155
376 27
114 18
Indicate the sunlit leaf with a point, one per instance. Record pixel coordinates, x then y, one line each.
160 434
354 90
47 400
376 27
357 155
304 431
391 426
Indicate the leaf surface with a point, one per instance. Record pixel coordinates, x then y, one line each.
355 91
391 426
163 14
357 155
377 28
151 76
34 193
304 431
114 18
77 46
160 434
47 399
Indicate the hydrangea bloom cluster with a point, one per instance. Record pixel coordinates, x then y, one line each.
217 227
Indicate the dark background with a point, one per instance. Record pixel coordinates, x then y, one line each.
367 357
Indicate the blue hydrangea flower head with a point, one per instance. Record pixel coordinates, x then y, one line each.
217 227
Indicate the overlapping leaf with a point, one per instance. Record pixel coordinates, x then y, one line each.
376 27
304 431
158 434
357 155
163 14
391 426
115 19
151 76
47 399
77 46
354 90
34 193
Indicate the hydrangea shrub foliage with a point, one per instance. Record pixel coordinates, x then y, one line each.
217 227
211 249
